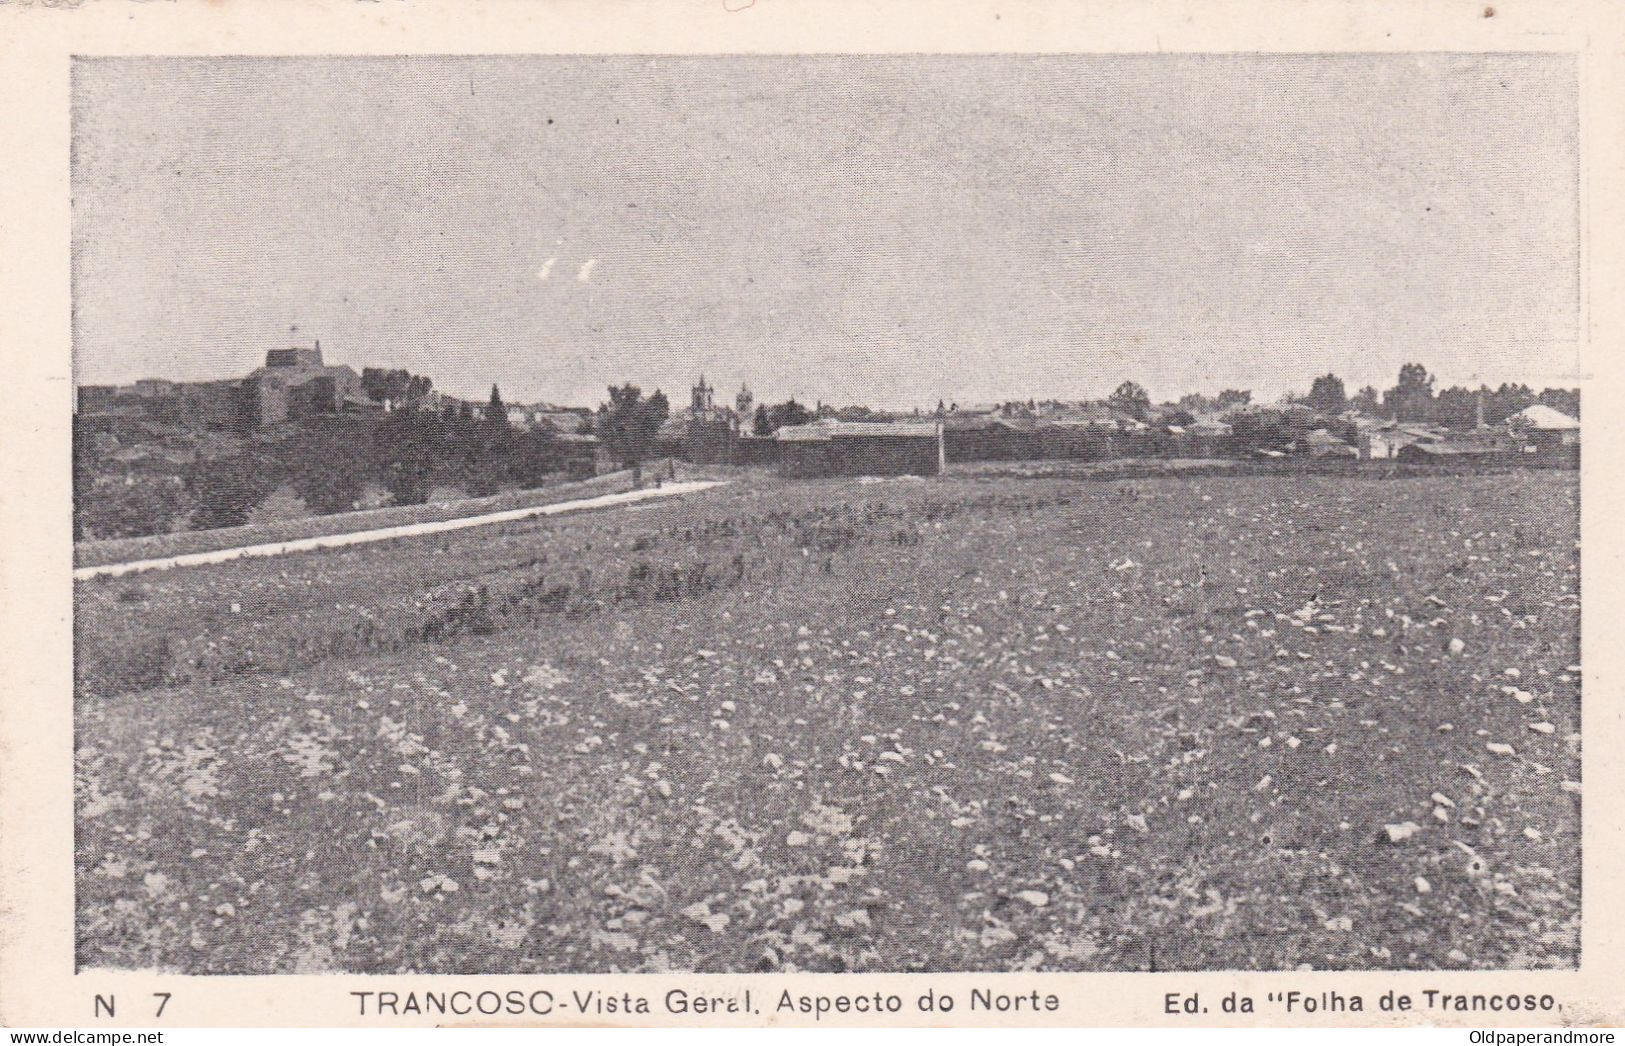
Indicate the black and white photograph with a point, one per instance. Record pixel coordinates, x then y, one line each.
826 513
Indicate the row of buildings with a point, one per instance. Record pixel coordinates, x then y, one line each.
297 384
1537 430
926 444
294 383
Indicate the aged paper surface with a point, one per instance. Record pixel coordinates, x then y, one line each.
1051 733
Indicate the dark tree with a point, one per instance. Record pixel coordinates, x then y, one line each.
1411 399
1326 395
1457 407
410 449
788 413
763 425
397 386
226 490
496 413
409 481
1233 398
1367 401
1131 399
328 471
534 456
629 423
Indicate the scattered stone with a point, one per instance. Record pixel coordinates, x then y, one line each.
701 913
1398 833
997 936
442 883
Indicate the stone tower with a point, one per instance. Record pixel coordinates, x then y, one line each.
702 393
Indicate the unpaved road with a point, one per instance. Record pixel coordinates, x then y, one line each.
361 537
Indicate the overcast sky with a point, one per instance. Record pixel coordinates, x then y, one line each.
887 230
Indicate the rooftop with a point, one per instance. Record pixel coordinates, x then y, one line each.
1542 418
830 428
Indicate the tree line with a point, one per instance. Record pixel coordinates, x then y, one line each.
1412 398
330 463
407 453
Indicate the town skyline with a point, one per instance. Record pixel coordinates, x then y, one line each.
678 392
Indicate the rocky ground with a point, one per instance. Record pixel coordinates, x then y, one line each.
979 723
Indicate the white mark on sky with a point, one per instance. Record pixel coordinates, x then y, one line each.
586 270
547 267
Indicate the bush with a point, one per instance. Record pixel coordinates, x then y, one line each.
228 489
409 482
328 470
120 510
534 457
408 450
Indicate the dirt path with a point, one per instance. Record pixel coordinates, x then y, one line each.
279 548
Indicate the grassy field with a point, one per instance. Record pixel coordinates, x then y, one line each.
983 722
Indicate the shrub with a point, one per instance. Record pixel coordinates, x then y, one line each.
328 470
409 482
120 510
228 489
